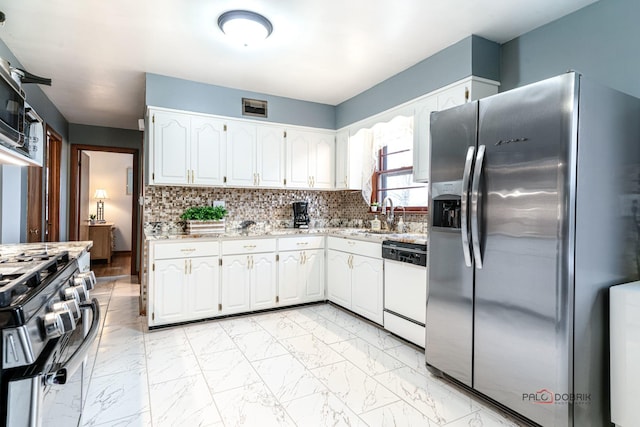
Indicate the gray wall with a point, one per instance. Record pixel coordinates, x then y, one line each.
601 41
470 56
104 136
169 92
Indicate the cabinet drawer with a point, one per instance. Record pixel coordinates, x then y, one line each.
166 250
359 247
248 246
300 243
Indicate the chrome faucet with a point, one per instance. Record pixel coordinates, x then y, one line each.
383 208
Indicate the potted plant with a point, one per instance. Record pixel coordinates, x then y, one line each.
92 219
374 207
204 219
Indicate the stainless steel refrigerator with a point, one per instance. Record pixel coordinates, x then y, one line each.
530 223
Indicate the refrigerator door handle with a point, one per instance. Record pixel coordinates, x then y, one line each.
464 206
475 207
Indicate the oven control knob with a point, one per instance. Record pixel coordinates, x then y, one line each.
53 326
88 278
66 315
82 292
72 300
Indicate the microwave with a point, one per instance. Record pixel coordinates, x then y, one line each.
12 114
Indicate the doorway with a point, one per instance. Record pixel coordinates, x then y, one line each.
113 171
43 193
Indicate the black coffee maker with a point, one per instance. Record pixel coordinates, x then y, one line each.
300 215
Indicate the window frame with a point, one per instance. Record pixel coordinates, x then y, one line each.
380 173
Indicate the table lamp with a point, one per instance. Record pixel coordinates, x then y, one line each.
100 195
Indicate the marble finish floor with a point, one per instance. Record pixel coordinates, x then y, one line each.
311 366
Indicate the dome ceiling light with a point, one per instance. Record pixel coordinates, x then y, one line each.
245 26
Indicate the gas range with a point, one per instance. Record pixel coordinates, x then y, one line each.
40 297
47 324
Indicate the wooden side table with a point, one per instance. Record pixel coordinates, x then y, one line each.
103 242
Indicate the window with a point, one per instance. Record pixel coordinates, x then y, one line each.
393 176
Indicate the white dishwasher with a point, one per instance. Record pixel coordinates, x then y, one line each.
405 289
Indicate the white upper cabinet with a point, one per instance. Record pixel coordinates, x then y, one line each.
310 159
349 157
241 154
270 156
186 149
208 146
255 155
170 140
468 90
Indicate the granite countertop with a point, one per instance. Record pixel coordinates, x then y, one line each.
75 249
351 233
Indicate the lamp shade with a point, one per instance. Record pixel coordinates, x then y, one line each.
245 26
100 194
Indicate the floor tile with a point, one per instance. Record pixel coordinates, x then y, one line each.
116 396
311 352
366 356
252 405
258 345
322 409
326 331
183 402
140 420
410 356
398 414
119 358
287 378
280 327
484 418
374 335
239 326
225 370
171 363
359 391
166 338
208 338
433 398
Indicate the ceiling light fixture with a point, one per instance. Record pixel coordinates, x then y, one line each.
245 26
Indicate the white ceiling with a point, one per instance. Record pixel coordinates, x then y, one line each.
327 51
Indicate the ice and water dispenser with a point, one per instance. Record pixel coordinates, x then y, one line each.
446 212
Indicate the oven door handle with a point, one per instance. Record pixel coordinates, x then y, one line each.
61 373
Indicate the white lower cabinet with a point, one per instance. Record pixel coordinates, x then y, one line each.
301 276
355 277
183 287
249 279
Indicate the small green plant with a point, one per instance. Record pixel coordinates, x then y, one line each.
92 217
204 213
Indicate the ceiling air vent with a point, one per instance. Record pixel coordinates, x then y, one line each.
254 107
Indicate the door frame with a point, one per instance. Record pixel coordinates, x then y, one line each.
74 190
52 187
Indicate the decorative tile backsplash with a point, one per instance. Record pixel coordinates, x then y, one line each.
164 205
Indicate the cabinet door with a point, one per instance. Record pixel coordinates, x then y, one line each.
367 287
422 138
298 143
241 154
290 277
171 137
339 278
342 160
453 96
236 282
270 157
203 287
169 296
314 275
263 281
208 144
322 160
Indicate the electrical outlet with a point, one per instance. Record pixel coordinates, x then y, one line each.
218 203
